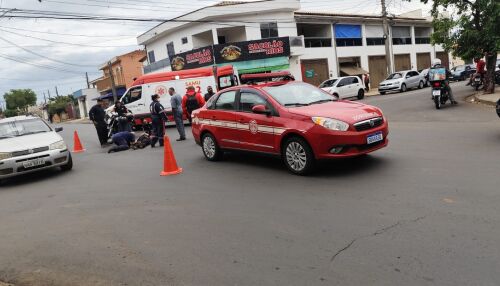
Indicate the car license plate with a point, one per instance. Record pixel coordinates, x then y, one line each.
373 138
436 92
34 163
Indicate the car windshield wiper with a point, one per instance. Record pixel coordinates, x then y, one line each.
296 104
321 101
5 137
33 132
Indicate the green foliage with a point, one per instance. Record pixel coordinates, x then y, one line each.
58 104
10 113
18 100
470 31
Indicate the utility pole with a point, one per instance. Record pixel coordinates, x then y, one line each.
87 77
113 87
57 92
387 38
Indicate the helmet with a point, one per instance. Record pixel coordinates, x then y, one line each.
436 62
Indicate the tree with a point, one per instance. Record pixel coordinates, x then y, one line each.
471 30
18 100
58 105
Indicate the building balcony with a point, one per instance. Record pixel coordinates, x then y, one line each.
104 83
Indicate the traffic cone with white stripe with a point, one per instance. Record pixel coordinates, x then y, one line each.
169 163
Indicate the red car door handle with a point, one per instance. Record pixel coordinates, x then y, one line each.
241 120
213 117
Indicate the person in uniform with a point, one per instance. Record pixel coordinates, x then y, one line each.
123 141
158 117
97 115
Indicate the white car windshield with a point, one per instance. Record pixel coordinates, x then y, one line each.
22 127
328 83
298 94
395 76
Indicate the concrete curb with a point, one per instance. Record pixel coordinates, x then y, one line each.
477 98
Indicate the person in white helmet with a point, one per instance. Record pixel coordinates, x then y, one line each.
437 64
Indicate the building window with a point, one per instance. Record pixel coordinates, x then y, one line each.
151 57
375 41
184 40
170 50
423 35
315 35
269 30
348 35
221 39
374 35
401 35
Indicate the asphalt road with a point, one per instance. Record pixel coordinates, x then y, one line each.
423 211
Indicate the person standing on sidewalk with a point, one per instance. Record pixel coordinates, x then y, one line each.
367 82
176 103
97 115
192 101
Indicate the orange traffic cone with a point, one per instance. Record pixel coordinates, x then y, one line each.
77 146
169 163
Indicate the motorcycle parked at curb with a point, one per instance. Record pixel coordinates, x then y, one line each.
439 93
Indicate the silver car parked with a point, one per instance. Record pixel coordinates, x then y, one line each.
29 144
402 81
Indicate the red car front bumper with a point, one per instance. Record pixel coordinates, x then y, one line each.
352 143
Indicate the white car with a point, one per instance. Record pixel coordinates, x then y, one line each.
402 81
344 87
29 144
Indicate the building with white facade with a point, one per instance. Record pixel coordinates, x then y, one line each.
322 44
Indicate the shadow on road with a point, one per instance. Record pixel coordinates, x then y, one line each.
325 168
32 178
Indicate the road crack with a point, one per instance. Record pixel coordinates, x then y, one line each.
377 232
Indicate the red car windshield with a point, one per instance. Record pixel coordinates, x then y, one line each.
298 94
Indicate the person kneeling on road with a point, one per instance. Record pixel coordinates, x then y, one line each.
123 141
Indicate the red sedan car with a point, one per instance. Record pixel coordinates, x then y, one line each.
295 120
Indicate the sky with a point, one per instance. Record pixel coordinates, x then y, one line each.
59 52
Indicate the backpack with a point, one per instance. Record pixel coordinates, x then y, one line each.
192 103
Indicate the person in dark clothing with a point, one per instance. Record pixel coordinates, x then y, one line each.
123 141
123 112
210 93
158 117
97 115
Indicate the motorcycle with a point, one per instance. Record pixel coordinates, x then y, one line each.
439 93
477 81
114 122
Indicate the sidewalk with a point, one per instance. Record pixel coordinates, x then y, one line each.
372 92
76 121
489 99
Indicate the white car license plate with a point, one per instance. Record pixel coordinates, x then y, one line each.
436 92
34 163
373 138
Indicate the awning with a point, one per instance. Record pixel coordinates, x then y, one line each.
262 65
119 92
352 70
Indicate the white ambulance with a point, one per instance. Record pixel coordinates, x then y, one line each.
138 98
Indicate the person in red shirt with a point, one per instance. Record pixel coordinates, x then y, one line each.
192 100
480 69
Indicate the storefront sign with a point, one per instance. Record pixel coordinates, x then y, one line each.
193 59
252 50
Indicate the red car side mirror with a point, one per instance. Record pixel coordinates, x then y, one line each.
261 109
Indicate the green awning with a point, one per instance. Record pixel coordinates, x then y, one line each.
262 65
